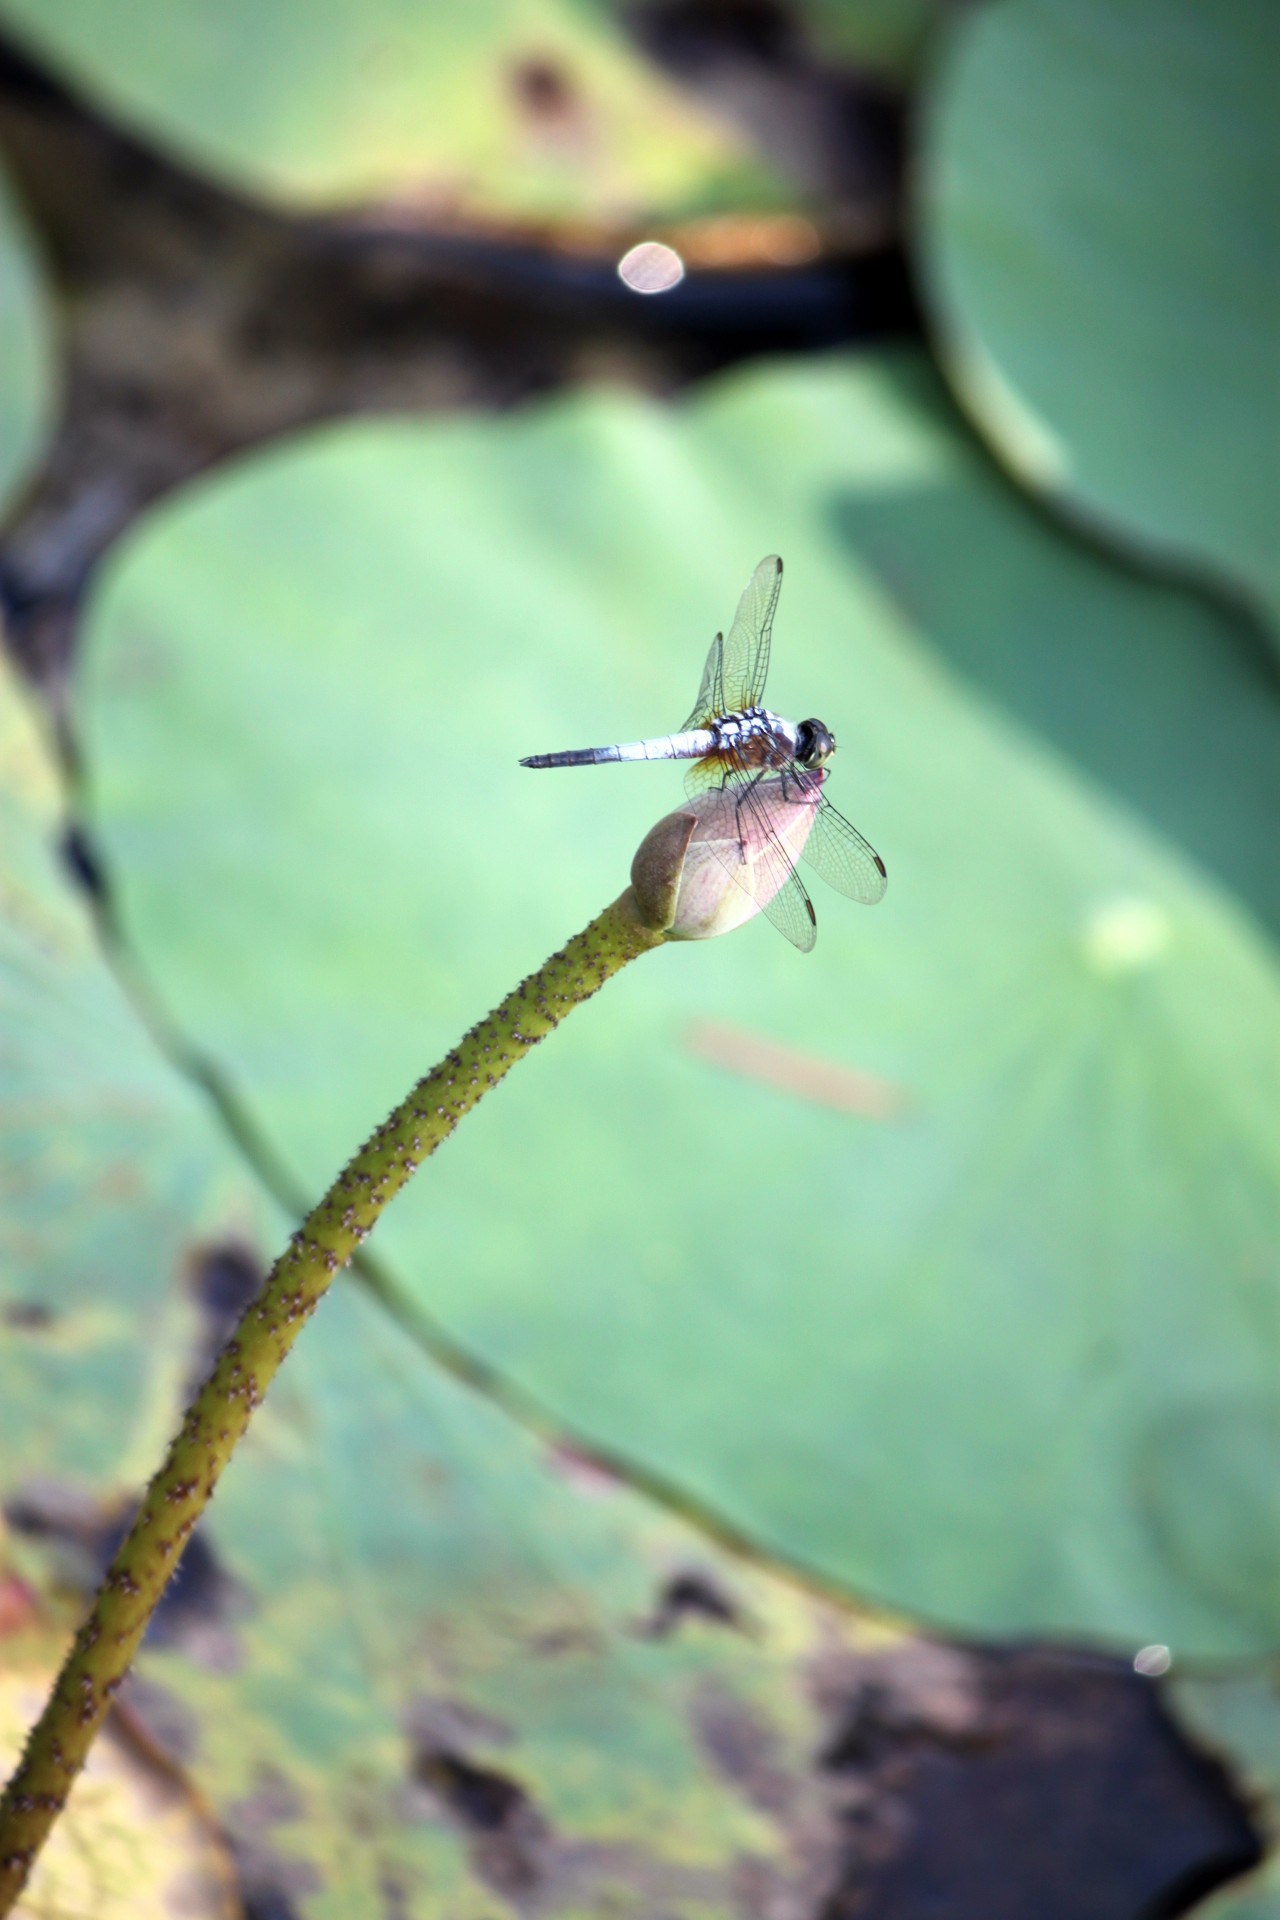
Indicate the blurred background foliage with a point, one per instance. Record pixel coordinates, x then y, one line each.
991 1337
529 105
1103 243
26 348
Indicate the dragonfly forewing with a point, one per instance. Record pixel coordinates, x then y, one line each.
746 650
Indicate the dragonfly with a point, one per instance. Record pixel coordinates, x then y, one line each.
769 772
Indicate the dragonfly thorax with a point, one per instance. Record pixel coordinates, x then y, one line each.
756 737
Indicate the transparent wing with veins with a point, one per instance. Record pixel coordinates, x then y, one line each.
764 864
746 650
836 850
760 862
769 842
709 704
734 676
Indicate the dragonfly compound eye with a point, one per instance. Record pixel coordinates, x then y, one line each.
814 744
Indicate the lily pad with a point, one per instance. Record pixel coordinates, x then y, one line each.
1235 1716
954 1354
25 360
1101 242
508 1651
510 107
131 1841
413 1646
110 1176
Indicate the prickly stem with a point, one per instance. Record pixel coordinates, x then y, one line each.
218 1416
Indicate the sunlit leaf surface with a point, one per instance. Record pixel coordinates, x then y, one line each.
109 1172
131 1845
1004 1349
417 1661
534 106
1103 248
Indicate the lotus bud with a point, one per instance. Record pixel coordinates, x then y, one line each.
684 873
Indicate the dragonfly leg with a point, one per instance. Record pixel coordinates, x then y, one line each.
744 794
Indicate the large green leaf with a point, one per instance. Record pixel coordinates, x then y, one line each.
396 1584
535 106
109 1176
965 1358
1102 242
25 361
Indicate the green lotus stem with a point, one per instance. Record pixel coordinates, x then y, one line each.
641 918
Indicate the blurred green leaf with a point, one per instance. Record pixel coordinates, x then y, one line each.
1102 240
887 36
25 361
396 1583
1236 1717
110 1174
957 1357
508 107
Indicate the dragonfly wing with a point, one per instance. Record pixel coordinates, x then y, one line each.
703 776
836 850
710 702
778 888
756 855
746 651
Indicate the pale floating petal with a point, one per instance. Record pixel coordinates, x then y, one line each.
651 267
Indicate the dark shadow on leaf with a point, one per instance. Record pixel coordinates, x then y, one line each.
742 1748
509 1842
274 1882
27 1316
81 861
690 1596
223 1280
200 1607
1011 1781
1178 718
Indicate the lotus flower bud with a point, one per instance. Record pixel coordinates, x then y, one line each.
684 875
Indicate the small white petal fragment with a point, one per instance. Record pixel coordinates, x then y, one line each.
1126 935
651 268
1152 1661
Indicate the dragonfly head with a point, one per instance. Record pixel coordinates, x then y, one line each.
814 744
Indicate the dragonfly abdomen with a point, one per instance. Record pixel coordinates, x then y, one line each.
672 746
